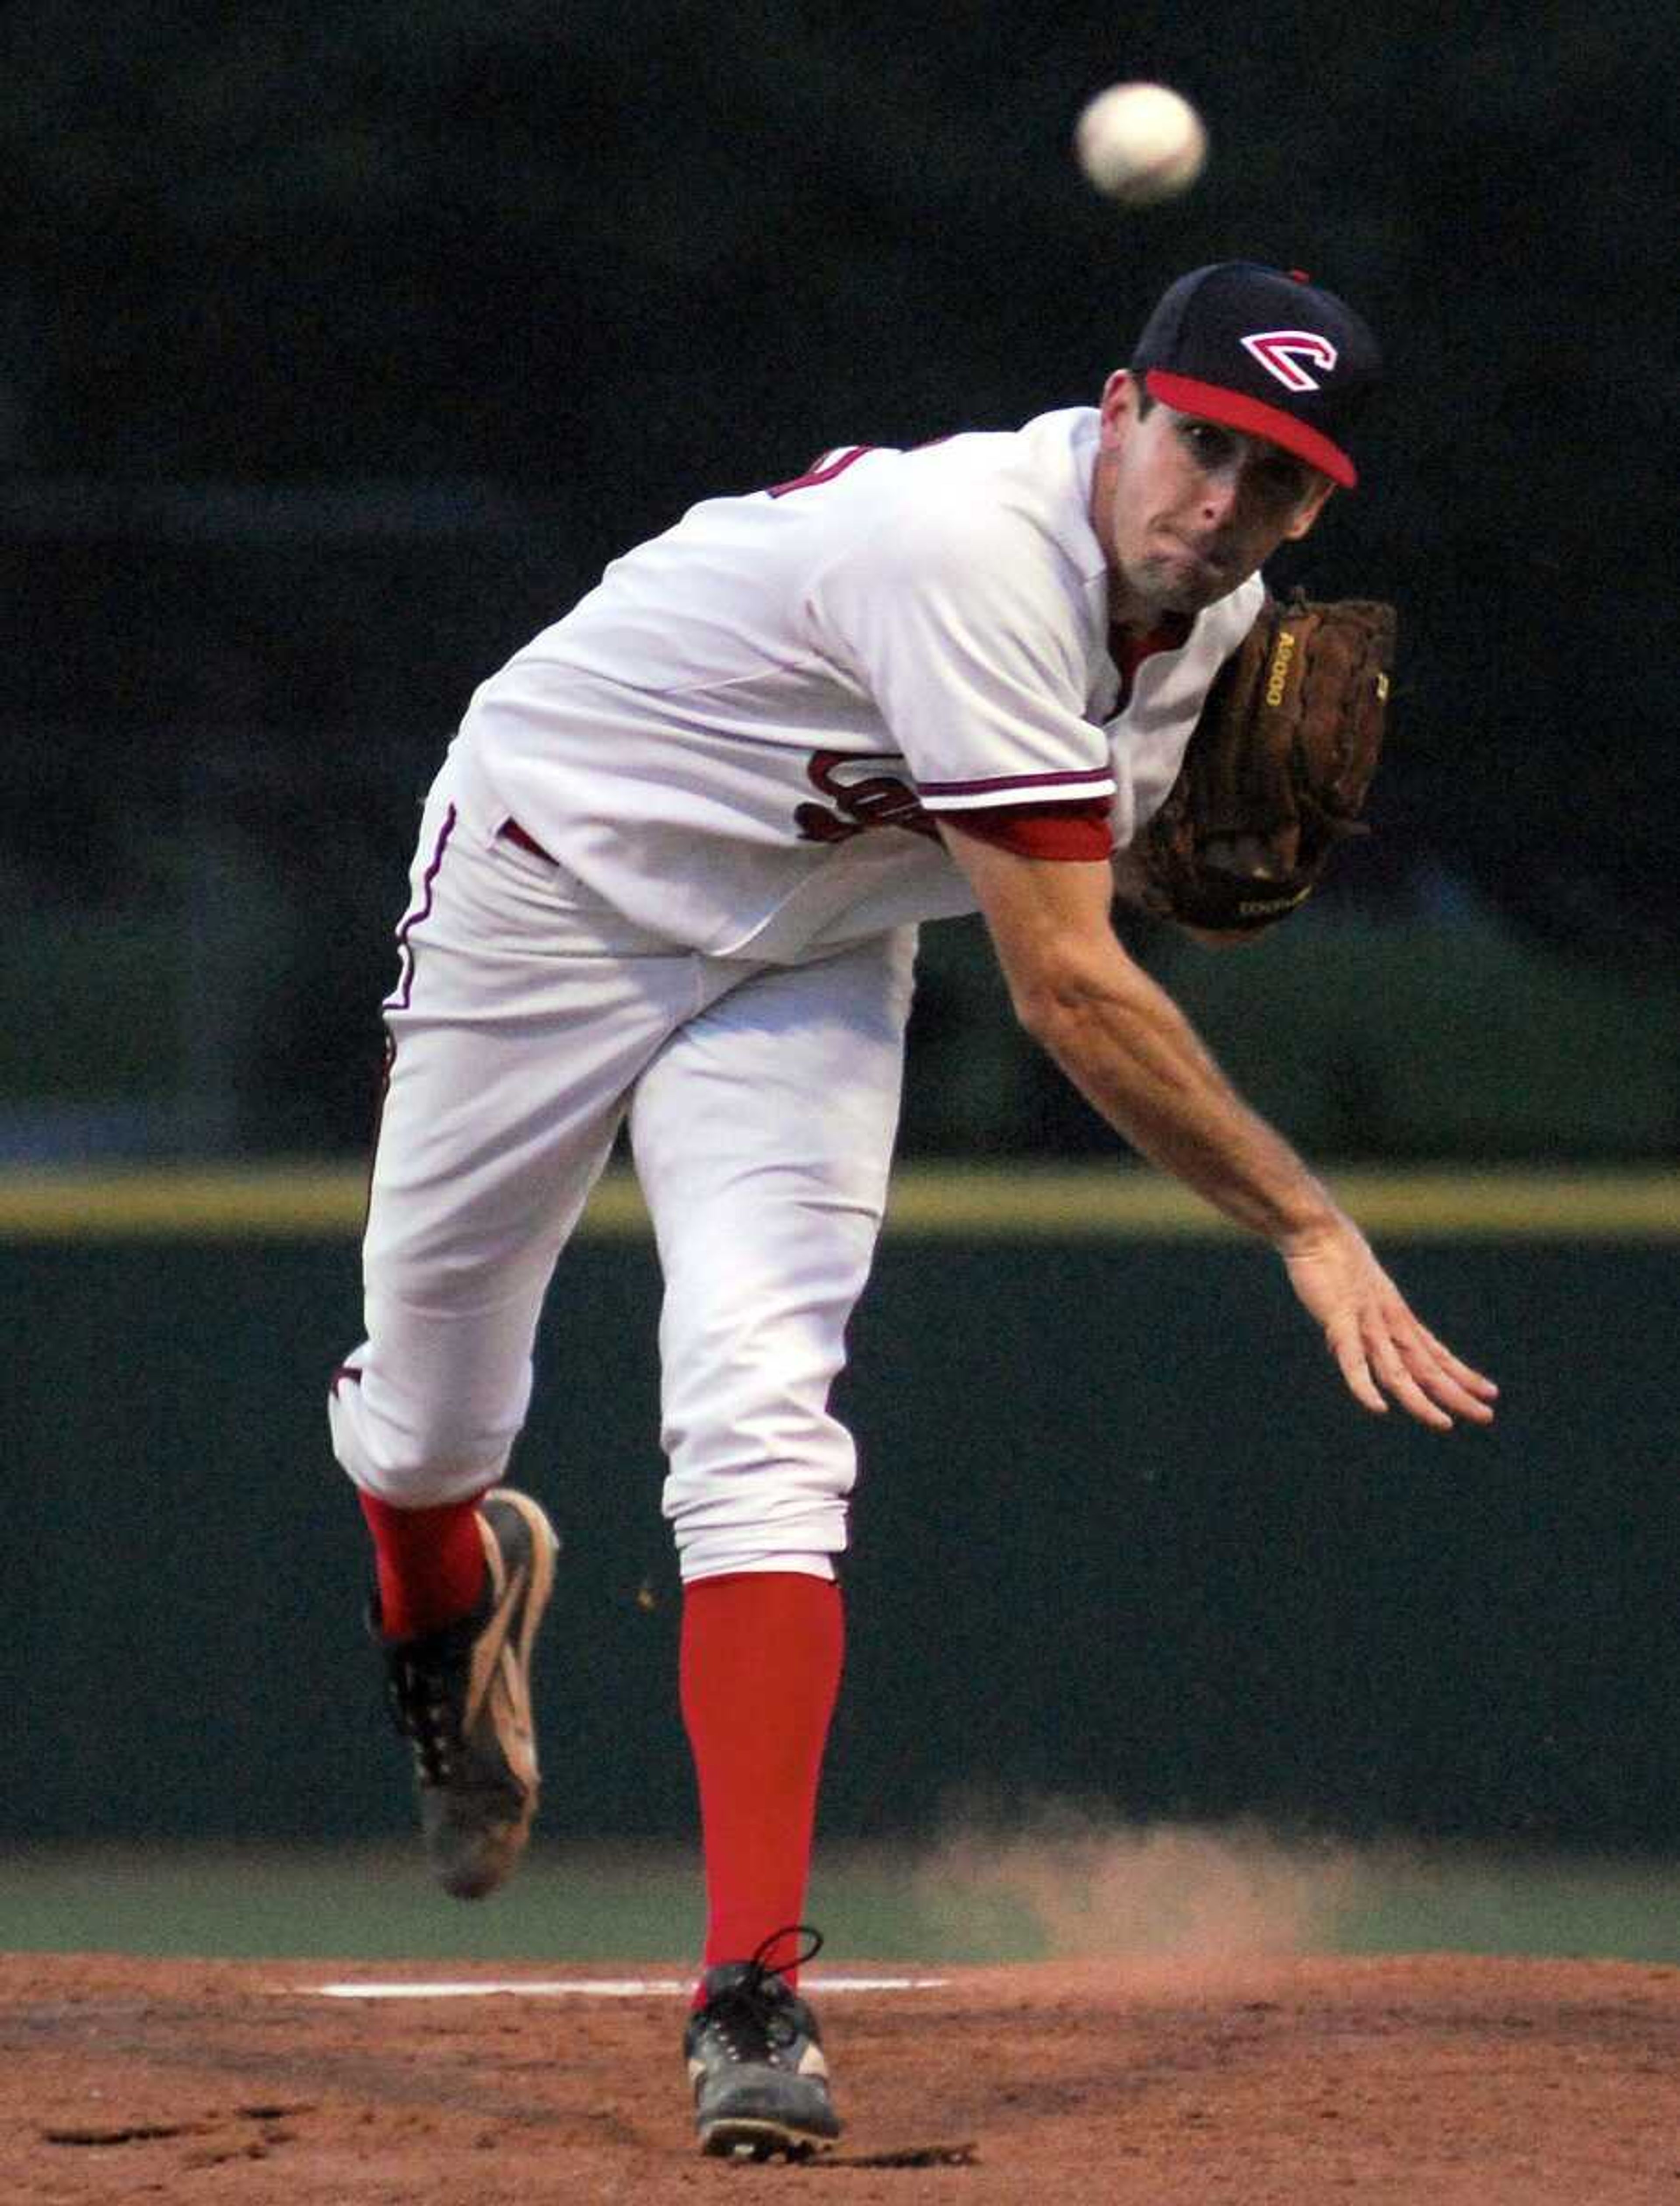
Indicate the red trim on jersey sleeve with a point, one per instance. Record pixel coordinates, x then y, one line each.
1075 832
977 795
823 468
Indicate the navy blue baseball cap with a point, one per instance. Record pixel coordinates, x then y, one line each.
1265 351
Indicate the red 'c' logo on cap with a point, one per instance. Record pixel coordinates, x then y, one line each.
1280 353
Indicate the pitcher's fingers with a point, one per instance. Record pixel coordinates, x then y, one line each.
1390 1366
1449 1381
1444 1387
1444 1376
1345 1345
1466 1374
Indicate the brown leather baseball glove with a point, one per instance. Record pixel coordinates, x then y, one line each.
1276 770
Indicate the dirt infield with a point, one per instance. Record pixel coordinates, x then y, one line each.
1441 2079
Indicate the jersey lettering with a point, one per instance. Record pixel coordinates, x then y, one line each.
878 800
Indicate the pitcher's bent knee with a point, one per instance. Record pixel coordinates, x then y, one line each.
413 1454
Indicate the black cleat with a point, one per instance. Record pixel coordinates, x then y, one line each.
755 2059
461 1696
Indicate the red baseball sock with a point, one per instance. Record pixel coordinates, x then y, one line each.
430 1563
760 1669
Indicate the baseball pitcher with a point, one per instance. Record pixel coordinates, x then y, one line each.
669 880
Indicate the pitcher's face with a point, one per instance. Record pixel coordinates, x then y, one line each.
1185 508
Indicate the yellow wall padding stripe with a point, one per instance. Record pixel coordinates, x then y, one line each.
929 1201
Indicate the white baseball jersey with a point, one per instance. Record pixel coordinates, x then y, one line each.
729 758
737 737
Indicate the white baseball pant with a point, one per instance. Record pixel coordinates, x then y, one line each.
529 1020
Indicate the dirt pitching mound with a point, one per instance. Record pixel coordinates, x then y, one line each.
1438 2079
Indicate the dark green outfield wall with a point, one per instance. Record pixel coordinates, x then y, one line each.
1120 1536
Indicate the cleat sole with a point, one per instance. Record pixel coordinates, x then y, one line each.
745 2138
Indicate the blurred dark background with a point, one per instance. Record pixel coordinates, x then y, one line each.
341 346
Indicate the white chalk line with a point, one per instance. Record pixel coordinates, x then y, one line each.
600 1986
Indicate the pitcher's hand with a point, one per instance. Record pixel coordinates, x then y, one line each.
1382 1348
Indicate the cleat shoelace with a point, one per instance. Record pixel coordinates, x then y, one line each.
425 1716
425 1708
751 2017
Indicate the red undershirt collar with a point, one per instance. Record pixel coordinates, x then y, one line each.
1128 652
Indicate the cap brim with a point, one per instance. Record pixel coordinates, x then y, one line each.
1235 409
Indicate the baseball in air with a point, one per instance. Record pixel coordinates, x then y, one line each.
1138 143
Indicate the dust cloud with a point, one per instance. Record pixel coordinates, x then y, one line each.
1166 1892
